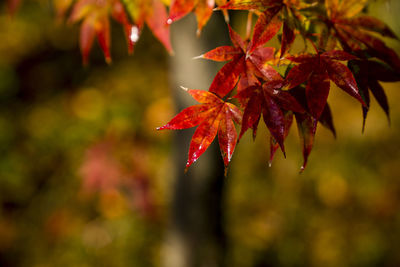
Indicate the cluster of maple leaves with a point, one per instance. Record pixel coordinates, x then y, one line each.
337 30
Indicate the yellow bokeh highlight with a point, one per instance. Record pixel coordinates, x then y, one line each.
88 104
332 190
158 114
112 204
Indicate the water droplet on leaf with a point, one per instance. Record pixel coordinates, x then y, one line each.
134 36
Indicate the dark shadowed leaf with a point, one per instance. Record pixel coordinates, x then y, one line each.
373 24
275 121
344 79
317 70
288 37
354 32
298 75
317 91
326 119
307 127
379 95
288 117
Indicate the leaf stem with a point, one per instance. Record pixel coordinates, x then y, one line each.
249 25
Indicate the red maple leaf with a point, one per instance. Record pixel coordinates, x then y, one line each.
272 102
203 10
368 73
354 31
249 64
95 22
154 14
274 145
317 70
286 11
306 125
213 116
94 15
244 63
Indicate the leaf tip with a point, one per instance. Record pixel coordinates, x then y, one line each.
363 103
388 118
302 169
198 57
282 146
363 127
254 133
226 171
188 164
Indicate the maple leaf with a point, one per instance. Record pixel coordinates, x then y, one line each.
94 15
272 102
203 10
269 10
154 14
317 70
306 125
249 64
274 145
95 23
368 73
307 128
213 116
244 63
354 31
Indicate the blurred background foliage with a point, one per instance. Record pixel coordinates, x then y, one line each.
85 180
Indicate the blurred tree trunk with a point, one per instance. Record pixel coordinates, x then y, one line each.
196 236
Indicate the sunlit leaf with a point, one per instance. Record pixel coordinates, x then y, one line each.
214 116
